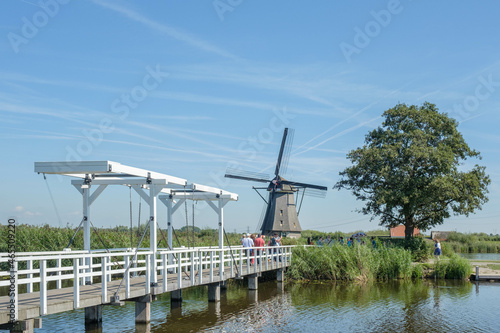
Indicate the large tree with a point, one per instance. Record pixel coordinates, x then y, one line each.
410 170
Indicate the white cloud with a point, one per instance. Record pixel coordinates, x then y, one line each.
21 209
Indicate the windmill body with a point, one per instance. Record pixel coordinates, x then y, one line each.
281 212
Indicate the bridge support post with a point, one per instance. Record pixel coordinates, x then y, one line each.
214 292
27 326
93 315
223 285
143 309
280 275
253 282
176 298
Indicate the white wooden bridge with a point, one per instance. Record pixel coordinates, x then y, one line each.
59 281
66 280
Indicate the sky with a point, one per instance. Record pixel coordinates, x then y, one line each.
190 89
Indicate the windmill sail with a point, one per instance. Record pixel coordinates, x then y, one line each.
280 155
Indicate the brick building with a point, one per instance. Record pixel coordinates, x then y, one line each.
399 231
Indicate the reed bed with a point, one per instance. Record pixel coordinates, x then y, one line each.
473 243
356 263
454 268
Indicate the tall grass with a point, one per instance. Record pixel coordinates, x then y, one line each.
357 263
45 238
455 268
471 238
473 243
478 247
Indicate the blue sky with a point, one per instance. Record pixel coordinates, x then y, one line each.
192 88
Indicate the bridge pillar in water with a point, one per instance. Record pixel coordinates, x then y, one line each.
26 326
176 298
93 316
223 285
143 328
214 292
143 309
280 275
253 281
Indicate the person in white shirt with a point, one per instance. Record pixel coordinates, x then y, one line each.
248 244
437 248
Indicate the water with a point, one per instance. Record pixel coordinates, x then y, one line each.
481 256
395 306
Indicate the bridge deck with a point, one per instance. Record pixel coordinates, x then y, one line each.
61 300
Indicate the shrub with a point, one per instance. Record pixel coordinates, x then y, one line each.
420 248
458 268
417 271
358 262
455 268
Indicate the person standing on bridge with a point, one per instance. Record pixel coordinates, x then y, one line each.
248 244
275 241
259 244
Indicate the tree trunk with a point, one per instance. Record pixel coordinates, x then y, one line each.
408 229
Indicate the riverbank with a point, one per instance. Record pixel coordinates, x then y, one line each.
487 268
367 263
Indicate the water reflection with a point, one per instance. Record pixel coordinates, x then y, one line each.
394 306
414 306
481 256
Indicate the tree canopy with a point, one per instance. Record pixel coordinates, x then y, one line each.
410 170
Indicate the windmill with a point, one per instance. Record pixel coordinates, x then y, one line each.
281 213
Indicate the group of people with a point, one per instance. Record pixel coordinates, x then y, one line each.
253 243
330 241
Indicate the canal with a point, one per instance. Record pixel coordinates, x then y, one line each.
394 306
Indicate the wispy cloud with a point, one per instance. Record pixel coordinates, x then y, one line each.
342 133
56 113
239 103
172 32
181 118
355 116
284 78
24 78
185 135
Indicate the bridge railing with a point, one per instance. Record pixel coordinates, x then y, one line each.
41 271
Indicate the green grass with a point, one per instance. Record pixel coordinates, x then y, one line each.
494 266
46 238
365 263
477 247
357 263
454 268
473 243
